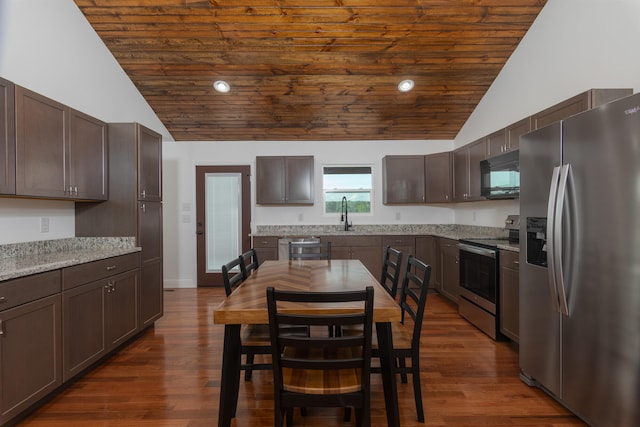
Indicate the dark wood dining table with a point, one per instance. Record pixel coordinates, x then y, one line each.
248 305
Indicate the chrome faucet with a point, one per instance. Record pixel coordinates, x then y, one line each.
344 213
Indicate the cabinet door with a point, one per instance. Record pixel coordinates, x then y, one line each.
122 309
496 143
427 251
516 130
450 269
406 245
88 157
369 256
438 186
266 247
460 174
270 177
84 326
299 182
151 283
477 153
41 146
510 295
149 164
30 354
7 138
403 179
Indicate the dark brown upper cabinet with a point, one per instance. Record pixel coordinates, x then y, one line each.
403 180
439 188
60 153
7 138
577 104
284 180
417 179
466 171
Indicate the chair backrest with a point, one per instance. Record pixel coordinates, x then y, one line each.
309 250
232 281
413 299
391 267
318 350
249 262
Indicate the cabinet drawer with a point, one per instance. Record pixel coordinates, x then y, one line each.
509 259
394 241
265 242
26 289
96 270
352 241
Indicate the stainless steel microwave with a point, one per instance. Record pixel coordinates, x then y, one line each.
500 176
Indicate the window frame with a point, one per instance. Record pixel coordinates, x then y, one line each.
348 190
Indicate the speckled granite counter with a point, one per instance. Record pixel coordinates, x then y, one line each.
23 259
449 231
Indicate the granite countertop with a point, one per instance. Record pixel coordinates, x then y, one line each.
23 259
449 231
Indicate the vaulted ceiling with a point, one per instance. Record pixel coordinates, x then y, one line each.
312 69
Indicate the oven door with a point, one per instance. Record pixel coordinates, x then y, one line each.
478 275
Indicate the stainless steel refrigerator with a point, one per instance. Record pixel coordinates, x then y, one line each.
580 262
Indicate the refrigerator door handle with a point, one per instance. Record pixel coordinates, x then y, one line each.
557 236
551 215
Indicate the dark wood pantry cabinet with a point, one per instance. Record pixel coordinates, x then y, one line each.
134 207
282 180
7 138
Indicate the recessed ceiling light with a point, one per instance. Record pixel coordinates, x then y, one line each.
405 85
221 86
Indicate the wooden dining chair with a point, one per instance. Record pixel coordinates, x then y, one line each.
320 370
406 341
309 250
391 268
249 262
254 338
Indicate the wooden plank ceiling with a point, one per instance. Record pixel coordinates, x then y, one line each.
312 69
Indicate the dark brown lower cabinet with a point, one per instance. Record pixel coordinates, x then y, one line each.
364 248
98 317
427 252
30 354
510 295
151 292
150 239
450 269
266 247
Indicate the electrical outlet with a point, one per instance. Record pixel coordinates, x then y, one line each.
397 216
300 217
44 225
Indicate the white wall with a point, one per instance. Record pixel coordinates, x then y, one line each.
180 160
573 46
49 47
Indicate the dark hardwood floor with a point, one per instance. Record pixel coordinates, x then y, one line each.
170 377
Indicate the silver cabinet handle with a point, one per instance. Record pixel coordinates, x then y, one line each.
1 328
110 267
3 300
143 194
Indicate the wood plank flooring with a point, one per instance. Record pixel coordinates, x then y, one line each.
170 377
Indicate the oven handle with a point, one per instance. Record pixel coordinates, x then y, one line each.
477 250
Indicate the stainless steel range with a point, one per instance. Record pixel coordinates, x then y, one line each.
479 280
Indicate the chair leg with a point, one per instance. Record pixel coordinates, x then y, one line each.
248 371
347 414
417 389
278 417
403 367
289 417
